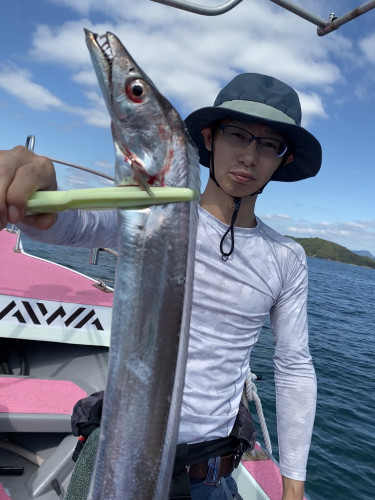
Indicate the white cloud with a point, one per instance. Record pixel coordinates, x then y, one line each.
312 108
190 57
96 114
85 77
318 231
276 217
18 82
104 165
61 45
195 54
354 235
367 46
77 179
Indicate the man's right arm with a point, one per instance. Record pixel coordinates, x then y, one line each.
21 174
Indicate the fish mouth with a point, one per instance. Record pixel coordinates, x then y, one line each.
101 53
103 42
102 49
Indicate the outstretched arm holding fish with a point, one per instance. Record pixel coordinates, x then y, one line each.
244 271
23 172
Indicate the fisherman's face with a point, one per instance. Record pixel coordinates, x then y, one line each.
241 168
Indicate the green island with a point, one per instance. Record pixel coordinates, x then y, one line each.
323 249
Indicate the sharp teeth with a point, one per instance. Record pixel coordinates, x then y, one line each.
104 45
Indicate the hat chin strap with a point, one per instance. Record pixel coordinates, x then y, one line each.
230 230
237 205
237 201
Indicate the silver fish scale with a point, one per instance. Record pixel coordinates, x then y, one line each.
152 300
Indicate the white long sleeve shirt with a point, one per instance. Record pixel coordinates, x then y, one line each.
265 275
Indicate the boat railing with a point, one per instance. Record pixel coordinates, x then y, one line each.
14 229
94 255
325 26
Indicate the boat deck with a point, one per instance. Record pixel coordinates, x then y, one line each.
36 293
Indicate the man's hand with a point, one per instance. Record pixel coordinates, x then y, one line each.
292 489
21 174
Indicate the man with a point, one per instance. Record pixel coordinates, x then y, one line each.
244 270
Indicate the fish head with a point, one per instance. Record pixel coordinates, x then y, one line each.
144 123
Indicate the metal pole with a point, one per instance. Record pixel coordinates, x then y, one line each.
339 21
318 21
324 25
214 11
200 9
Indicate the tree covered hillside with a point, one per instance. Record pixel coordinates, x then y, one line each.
323 249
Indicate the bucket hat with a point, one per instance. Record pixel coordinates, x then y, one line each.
257 98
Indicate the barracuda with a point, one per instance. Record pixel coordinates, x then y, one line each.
153 284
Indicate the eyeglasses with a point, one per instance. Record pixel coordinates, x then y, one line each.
240 138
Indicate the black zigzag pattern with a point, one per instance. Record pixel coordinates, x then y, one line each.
43 315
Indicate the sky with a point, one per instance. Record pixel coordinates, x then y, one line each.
48 89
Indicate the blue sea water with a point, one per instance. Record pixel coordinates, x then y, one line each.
342 341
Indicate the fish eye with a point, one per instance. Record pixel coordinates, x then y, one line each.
136 90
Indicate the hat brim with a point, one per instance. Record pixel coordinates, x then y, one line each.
306 148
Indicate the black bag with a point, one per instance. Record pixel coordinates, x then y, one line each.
86 416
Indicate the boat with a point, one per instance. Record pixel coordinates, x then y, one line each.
54 338
54 342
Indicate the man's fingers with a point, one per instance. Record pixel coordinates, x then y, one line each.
21 174
41 221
